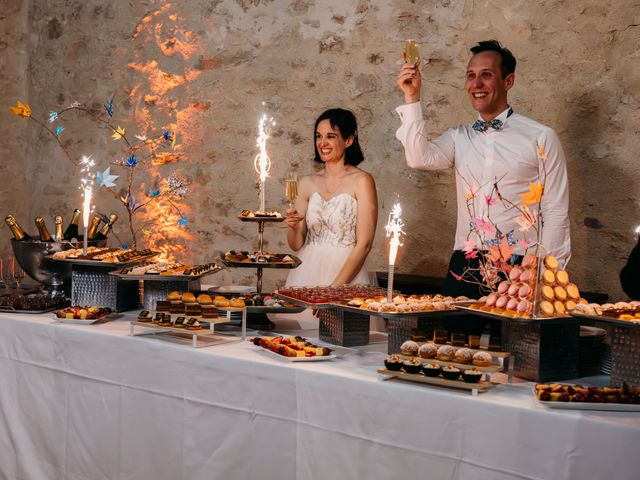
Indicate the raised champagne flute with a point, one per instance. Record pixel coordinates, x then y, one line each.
411 52
291 190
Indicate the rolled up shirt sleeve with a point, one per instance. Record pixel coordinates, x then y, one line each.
555 201
421 153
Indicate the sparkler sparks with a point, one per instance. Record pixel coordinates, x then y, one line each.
394 231
262 162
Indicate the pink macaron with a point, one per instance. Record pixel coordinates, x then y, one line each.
515 273
503 287
524 306
502 301
513 289
528 260
526 276
524 291
512 304
491 300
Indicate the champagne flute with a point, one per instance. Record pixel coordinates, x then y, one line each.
291 190
411 52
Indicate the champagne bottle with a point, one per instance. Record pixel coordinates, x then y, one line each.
18 233
102 234
93 228
45 236
58 236
71 233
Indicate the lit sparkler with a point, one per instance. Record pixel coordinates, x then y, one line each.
85 167
262 162
394 231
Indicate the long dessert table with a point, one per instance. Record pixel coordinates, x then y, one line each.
91 402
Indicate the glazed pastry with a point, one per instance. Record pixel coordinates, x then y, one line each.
427 350
236 302
482 359
409 348
188 297
463 355
204 299
174 296
220 301
445 352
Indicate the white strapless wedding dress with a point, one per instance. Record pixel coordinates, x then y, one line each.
331 237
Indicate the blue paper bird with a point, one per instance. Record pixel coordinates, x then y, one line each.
59 129
53 116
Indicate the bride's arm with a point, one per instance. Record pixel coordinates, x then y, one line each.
295 218
366 221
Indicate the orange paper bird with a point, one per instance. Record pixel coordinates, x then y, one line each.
118 133
534 195
501 254
22 110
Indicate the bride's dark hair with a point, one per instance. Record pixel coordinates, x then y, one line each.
345 121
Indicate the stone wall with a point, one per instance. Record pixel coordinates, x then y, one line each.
209 69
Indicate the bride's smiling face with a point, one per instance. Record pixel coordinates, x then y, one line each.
330 144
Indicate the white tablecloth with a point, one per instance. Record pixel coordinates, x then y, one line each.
90 402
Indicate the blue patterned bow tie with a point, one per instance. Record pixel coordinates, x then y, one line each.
481 125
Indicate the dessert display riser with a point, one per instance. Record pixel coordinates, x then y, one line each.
543 352
340 327
625 361
400 330
158 290
94 286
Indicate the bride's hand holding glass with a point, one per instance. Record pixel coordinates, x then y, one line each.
292 218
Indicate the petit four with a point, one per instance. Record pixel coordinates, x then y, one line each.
192 324
145 316
179 323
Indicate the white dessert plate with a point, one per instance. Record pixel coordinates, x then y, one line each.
296 359
602 407
77 321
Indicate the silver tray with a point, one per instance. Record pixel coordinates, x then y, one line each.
231 263
98 263
499 316
302 303
155 277
389 315
615 321
261 219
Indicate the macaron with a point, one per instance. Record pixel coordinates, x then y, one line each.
528 260
551 262
562 277
559 307
526 276
513 289
502 301
491 299
503 287
524 291
524 306
560 293
512 304
570 305
548 277
515 273
572 292
547 293
546 308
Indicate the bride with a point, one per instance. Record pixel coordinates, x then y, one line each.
333 222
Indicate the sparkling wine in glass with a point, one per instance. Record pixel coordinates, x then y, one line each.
411 52
291 190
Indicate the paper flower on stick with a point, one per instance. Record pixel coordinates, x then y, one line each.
485 227
105 179
502 254
22 110
118 133
470 249
534 195
132 161
53 116
154 192
183 221
109 108
471 193
59 129
490 200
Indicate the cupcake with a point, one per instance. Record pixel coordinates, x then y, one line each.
445 352
450 372
427 350
482 359
463 355
409 348
472 375
431 369
412 365
393 362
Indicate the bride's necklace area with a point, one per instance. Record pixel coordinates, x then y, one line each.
326 184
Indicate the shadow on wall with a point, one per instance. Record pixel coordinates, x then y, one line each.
597 201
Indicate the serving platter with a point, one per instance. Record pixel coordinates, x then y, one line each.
603 318
98 263
302 303
343 305
474 388
317 358
598 407
261 219
77 321
159 277
499 316
232 263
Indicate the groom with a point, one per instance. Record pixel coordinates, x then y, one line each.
500 146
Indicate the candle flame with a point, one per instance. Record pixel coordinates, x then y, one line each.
394 230
262 162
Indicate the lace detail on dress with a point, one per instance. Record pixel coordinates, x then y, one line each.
332 222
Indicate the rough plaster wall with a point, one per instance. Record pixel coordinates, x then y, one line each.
578 72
